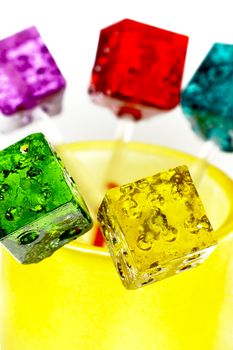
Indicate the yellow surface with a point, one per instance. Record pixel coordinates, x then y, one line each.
156 227
75 299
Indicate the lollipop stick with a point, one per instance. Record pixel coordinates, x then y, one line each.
75 166
114 167
89 190
205 156
130 77
47 126
29 122
123 136
84 179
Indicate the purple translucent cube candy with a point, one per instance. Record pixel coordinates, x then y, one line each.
29 75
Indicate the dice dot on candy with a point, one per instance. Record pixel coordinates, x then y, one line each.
41 209
28 237
70 233
24 148
155 227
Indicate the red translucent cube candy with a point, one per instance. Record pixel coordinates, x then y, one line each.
138 66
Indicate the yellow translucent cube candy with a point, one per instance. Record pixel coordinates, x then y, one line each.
155 227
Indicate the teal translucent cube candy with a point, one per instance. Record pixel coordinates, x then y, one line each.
207 100
40 207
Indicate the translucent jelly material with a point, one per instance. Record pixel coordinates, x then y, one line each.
40 207
155 227
29 75
207 99
139 66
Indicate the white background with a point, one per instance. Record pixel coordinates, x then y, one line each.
70 29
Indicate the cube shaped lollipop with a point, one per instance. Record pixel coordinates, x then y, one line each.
156 227
207 99
29 76
40 207
138 66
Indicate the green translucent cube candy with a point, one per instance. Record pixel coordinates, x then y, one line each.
40 207
156 227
